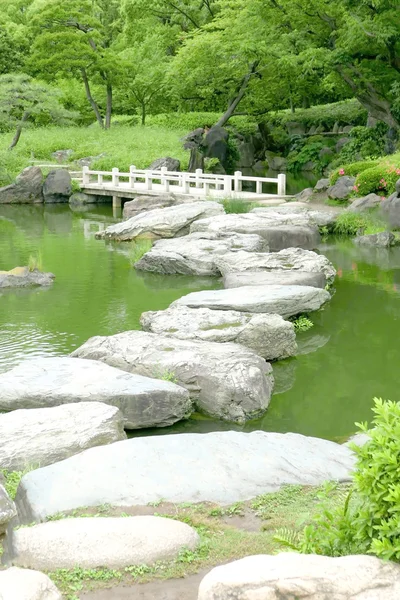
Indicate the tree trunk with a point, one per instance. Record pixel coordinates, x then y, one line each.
239 96
92 101
17 135
109 105
143 113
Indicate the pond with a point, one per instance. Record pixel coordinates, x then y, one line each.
350 355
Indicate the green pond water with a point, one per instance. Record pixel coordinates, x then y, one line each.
351 355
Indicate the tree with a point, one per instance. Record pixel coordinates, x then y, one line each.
78 39
22 99
10 55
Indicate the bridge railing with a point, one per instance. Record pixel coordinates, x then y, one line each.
183 182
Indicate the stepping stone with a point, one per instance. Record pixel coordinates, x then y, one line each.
22 277
234 280
222 467
284 300
291 575
321 217
7 509
291 259
41 436
278 230
161 222
226 381
270 336
108 542
194 254
46 382
23 584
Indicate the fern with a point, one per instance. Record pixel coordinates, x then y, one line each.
288 538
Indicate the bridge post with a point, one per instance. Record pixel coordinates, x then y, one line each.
116 202
185 184
163 178
132 177
281 184
238 183
198 173
85 176
227 185
115 177
258 187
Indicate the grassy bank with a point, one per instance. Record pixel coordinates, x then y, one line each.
120 146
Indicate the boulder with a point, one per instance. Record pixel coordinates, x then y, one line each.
384 239
145 203
347 128
291 259
238 466
87 161
225 381
23 584
215 144
366 203
24 277
320 217
246 152
7 509
359 439
27 188
342 188
325 154
111 542
284 300
310 165
41 436
289 575
194 254
81 199
295 128
173 221
341 143
390 208
305 194
234 280
277 163
171 164
57 186
47 382
62 156
322 185
268 335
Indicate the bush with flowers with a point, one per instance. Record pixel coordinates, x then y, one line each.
380 180
352 170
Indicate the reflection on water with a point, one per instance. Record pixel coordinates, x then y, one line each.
351 355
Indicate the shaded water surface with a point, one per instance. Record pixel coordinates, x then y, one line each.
351 355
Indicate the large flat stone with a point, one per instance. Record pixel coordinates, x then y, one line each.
194 254
98 542
289 575
173 221
23 584
320 217
20 277
226 381
41 436
7 508
46 382
234 280
291 259
145 203
221 467
279 230
284 300
268 335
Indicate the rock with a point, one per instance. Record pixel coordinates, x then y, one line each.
284 300
89 543
268 335
239 466
342 188
225 381
171 164
27 188
145 203
384 239
23 584
246 155
312 130
347 128
335 128
62 155
81 199
87 161
42 436
162 222
325 154
289 575
7 509
276 163
234 280
215 144
295 128
322 185
194 254
46 382
57 186
341 143
359 439
390 208
304 195
24 277
291 259
319 218
279 230
310 165
366 203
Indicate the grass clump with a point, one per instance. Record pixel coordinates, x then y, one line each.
139 249
237 205
302 323
352 223
35 262
12 480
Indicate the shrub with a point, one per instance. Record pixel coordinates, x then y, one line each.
350 223
380 179
367 142
367 521
352 169
237 205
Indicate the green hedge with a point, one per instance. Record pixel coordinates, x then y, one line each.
353 169
379 180
192 120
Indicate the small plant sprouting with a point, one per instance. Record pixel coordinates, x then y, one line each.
35 262
302 323
138 249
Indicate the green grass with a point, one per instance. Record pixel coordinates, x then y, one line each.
122 146
35 261
351 223
238 205
138 249
12 479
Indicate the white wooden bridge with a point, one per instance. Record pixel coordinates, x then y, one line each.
198 184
